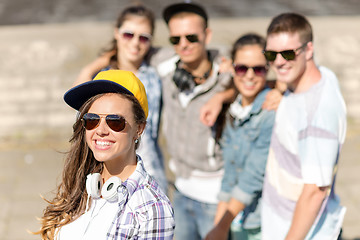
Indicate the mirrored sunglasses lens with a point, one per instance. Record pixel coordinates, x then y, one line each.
240 69
288 55
90 121
260 70
128 35
192 38
174 40
144 39
270 55
115 122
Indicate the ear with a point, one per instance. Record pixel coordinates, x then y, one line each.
141 128
208 35
309 50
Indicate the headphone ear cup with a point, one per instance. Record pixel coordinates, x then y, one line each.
94 185
109 189
183 79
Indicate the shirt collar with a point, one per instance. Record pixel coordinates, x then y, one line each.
259 100
136 178
256 105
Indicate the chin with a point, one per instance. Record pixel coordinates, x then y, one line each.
101 157
188 58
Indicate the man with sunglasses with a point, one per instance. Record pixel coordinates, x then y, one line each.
190 77
299 201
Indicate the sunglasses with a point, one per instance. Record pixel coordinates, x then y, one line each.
143 38
174 40
241 70
287 54
115 122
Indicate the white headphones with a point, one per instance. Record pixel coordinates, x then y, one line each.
95 188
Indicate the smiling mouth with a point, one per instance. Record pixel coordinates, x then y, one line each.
103 143
249 84
283 70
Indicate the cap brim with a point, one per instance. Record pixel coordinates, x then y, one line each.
78 95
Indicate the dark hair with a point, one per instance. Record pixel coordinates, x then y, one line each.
292 23
134 10
247 39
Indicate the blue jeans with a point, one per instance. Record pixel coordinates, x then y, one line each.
193 219
246 234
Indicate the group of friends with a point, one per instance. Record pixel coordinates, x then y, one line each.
251 160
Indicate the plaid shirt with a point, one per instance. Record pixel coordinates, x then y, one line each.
144 211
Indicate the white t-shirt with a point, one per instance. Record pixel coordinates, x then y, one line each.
101 214
309 130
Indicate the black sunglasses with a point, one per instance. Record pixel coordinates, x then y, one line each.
174 40
241 70
143 38
115 122
287 54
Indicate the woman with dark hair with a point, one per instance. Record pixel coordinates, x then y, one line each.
129 51
245 143
105 192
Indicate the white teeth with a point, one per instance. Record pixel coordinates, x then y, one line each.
249 84
103 143
282 70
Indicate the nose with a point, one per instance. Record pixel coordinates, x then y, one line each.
250 73
135 40
102 128
279 60
183 41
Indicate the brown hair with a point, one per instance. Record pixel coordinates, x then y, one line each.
71 197
292 23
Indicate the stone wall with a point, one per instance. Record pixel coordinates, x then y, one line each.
40 62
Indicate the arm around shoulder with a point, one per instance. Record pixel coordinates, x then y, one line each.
211 110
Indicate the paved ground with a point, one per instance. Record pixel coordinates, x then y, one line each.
28 171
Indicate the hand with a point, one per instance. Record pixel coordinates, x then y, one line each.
272 100
217 234
211 110
226 66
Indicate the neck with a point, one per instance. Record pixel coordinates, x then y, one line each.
310 77
245 101
199 68
119 168
127 65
